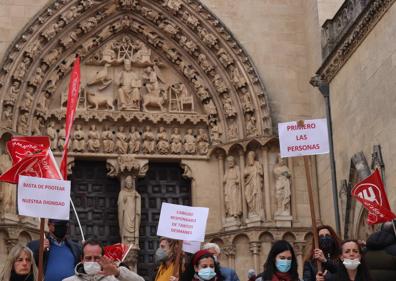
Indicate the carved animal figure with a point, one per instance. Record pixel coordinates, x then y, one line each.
95 102
154 101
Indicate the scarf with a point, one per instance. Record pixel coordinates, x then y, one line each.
281 276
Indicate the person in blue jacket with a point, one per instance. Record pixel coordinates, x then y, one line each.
60 253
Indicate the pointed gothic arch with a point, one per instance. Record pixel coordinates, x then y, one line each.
185 36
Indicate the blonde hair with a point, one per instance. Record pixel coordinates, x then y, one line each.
8 267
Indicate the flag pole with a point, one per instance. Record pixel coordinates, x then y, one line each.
41 250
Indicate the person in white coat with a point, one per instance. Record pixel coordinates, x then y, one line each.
94 266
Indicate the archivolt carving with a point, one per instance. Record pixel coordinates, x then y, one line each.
215 80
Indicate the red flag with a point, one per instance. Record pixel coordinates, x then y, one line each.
31 157
116 252
371 193
19 147
72 102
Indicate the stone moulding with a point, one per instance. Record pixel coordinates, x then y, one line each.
352 39
184 33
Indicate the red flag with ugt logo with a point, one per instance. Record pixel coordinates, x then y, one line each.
72 102
31 156
116 252
371 193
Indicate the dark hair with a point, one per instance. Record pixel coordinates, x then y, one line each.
92 242
189 273
270 267
362 274
337 244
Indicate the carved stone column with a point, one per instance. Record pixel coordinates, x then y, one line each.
254 248
244 204
220 158
293 203
267 187
229 251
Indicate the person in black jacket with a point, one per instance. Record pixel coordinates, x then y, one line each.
328 253
381 253
60 253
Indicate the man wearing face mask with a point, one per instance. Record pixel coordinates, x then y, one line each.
94 266
60 253
228 274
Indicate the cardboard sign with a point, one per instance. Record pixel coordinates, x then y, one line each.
182 222
43 198
191 246
308 139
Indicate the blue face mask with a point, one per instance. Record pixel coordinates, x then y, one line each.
283 265
206 273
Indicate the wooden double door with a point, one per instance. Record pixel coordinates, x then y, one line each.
95 197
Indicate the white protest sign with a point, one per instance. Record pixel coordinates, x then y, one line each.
182 222
191 246
43 198
308 139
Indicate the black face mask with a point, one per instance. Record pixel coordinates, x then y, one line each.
326 243
60 231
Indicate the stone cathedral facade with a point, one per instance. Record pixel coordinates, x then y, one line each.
179 102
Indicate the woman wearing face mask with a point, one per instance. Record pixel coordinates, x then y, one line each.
19 266
352 266
281 264
202 268
168 256
328 253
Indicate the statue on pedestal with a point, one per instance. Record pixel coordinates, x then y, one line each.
232 189
282 188
253 175
129 212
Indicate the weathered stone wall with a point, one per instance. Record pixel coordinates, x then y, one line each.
362 101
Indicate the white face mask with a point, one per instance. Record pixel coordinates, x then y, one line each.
91 267
351 264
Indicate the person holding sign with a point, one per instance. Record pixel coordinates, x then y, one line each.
94 266
61 255
328 253
202 268
19 266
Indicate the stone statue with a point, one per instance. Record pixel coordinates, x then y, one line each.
163 141
121 144
176 142
129 88
53 135
232 189
203 142
148 141
78 139
153 97
27 102
282 188
253 175
250 124
61 138
190 142
7 116
7 190
23 123
135 141
129 212
93 143
229 109
108 140
236 77
215 133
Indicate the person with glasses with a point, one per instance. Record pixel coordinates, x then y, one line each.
95 266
